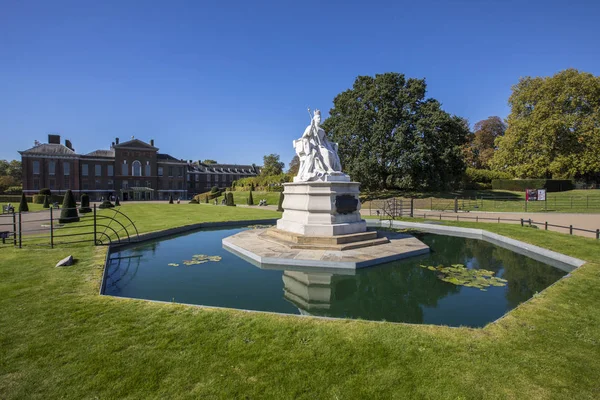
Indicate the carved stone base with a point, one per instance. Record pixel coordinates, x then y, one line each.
321 209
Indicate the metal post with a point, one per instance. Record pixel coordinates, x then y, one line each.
546 226
521 221
14 229
597 233
94 224
20 234
456 204
570 229
498 219
51 229
477 218
412 207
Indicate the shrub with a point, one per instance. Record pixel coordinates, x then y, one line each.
13 199
519 185
229 199
250 199
485 175
85 204
214 189
46 202
170 199
69 209
280 204
14 190
106 204
46 192
117 202
39 198
23 204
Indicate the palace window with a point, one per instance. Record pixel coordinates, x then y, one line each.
136 168
125 185
52 184
111 170
160 171
98 170
84 169
36 167
147 169
124 169
51 168
36 184
66 169
110 184
67 184
170 172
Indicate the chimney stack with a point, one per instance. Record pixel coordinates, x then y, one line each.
54 139
112 145
117 141
69 145
152 142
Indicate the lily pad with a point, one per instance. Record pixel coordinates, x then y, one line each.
173 265
458 274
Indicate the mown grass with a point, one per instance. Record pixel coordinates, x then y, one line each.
59 338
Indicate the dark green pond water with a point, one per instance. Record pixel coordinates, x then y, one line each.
400 291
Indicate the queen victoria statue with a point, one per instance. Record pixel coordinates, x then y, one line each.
319 160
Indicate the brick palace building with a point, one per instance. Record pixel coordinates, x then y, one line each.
133 170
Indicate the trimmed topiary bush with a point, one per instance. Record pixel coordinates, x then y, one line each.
85 204
250 199
46 192
214 189
229 199
69 209
170 199
280 205
23 204
117 202
46 202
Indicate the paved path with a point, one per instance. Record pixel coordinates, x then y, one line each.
583 221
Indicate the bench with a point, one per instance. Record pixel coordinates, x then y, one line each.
4 235
8 209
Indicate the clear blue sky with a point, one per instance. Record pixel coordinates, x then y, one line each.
231 80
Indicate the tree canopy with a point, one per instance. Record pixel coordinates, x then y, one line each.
272 165
391 136
481 145
294 166
209 161
553 127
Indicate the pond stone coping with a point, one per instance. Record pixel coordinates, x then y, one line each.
557 260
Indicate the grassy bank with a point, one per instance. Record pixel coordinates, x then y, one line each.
59 338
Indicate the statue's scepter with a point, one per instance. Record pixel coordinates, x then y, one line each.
314 128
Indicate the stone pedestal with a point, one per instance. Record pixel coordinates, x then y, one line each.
322 208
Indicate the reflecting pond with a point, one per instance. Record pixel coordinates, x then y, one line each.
195 269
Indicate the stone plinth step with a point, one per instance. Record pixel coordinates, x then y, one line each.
322 243
320 240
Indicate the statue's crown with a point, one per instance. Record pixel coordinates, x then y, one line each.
318 112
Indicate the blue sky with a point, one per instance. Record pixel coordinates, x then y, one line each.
231 81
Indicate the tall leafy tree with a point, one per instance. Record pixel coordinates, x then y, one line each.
272 165
294 166
391 136
481 145
553 127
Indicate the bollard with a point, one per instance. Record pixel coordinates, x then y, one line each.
570 229
597 233
51 230
546 226
521 221
498 219
477 218
14 229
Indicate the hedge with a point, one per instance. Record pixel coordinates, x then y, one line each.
519 185
39 198
15 199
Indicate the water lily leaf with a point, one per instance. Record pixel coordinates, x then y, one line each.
460 275
173 265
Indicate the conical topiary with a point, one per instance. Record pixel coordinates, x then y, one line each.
117 202
280 205
69 209
23 204
170 199
46 202
85 204
250 199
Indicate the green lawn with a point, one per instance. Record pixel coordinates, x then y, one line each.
241 197
60 339
32 206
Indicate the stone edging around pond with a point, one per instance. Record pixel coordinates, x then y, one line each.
557 260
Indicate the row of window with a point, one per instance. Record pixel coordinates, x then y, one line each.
136 169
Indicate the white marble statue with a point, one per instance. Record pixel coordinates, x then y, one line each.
319 160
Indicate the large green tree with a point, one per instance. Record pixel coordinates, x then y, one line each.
272 165
481 145
391 136
294 166
553 127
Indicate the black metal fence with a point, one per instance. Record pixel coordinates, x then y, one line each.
47 228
